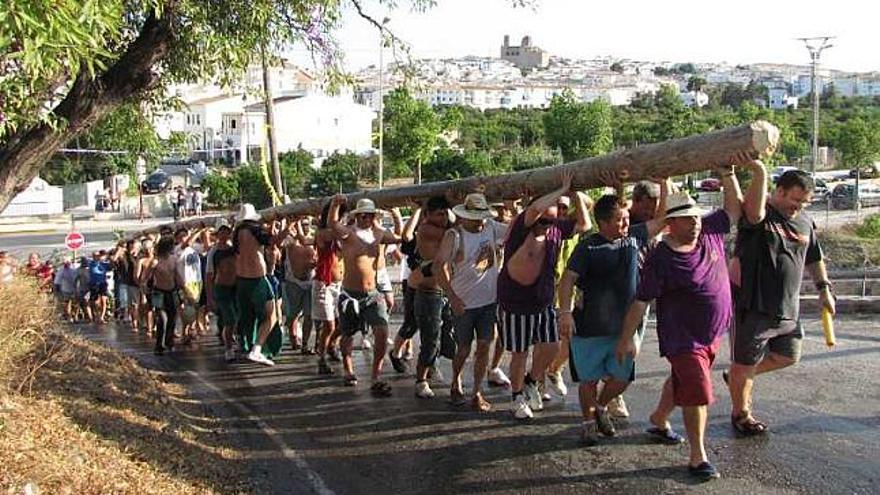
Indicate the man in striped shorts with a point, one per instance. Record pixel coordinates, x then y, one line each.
526 290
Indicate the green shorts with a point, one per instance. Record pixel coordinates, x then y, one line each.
226 305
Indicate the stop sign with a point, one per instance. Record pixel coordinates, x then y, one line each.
74 241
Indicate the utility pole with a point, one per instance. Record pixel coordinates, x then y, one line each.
815 46
270 125
381 105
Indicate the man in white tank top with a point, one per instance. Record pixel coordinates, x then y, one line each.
467 270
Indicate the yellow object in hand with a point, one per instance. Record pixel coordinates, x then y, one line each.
828 326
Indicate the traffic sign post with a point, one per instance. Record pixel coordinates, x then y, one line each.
74 242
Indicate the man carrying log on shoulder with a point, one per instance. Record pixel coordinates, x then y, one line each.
360 303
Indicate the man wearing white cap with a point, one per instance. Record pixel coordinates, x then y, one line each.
256 300
686 273
360 303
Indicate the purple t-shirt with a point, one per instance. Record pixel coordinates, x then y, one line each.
692 290
534 298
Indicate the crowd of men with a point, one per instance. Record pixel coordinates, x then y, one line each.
536 282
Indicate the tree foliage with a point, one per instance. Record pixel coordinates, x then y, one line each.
860 142
338 174
578 129
412 128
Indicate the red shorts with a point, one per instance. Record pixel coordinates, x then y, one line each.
691 376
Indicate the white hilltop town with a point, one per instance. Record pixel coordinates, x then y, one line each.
526 76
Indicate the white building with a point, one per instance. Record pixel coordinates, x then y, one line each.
697 99
779 99
39 198
318 123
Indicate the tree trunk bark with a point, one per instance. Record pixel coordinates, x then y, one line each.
671 158
89 99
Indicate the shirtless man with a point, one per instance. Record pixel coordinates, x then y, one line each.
164 281
221 286
256 300
144 262
526 289
360 304
325 287
299 273
428 300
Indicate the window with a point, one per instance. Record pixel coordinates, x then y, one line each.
232 123
198 119
187 119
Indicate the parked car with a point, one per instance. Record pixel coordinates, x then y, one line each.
156 182
867 172
843 196
820 190
709 185
778 171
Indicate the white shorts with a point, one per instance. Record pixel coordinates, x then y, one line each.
383 281
325 299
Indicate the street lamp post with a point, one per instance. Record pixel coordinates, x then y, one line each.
815 53
381 105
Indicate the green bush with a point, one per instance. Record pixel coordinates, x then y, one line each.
870 228
222 190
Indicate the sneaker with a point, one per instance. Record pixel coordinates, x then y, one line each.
230 355
519 406
497 378
545 395
533 396
617 408
396 363
258 357
589 433
423 390
604 423
556 384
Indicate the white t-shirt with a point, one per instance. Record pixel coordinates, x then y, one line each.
475 277
189 266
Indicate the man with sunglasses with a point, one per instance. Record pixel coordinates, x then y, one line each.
360 303
526 290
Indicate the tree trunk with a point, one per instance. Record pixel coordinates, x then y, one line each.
25 153
671 158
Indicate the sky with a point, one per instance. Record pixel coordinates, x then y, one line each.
741 31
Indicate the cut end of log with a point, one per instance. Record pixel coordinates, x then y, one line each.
765 137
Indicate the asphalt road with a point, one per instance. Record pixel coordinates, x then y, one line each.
303 433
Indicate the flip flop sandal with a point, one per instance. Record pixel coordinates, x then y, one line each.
704 471
350 381
666 436
381 389
747 426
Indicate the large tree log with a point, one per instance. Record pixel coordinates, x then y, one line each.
667 159
88 100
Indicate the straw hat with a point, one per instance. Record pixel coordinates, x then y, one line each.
474 207
248 212
680 204
365 206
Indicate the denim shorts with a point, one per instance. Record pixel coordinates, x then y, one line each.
476 322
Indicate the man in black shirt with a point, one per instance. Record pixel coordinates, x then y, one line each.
774 244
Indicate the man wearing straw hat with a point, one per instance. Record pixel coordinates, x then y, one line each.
360 303
466 267
686 273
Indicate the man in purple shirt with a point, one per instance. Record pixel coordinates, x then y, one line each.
526 287
687 275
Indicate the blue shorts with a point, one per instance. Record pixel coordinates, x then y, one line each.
592 359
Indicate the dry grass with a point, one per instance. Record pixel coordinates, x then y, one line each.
78 418
844 249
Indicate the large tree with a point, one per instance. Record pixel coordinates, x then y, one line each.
65 64
412 128
576 128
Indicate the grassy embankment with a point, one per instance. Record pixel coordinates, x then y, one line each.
79 418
